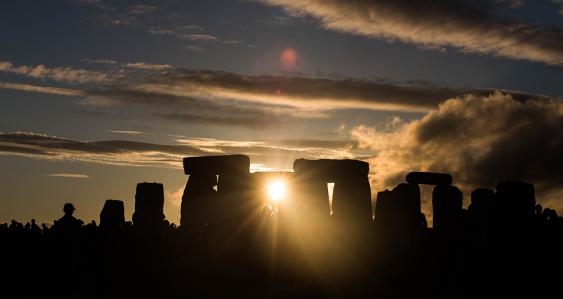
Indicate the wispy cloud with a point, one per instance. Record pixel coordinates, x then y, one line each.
58 74
41 89
132 153
141 9
222 98
195 48
199 37
99 61
127 132
466 25
69 175
148 66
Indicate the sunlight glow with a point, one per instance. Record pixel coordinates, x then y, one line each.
277 190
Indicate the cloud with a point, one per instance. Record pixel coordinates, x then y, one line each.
41 89
127 132
148 66
58 74
470 26
223 98
195 48
480 140
313 97
100 61
133 153
560 4
199 37
141 9
69 175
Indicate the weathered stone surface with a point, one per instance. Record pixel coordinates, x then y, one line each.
429 178
198 202
482 201
399 209
516 201
226 164
112 215
311 196
149 203
351 195
447 206
330 170
351 199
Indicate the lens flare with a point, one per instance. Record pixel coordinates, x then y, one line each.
288 59
277 190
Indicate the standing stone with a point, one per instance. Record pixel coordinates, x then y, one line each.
229 204
112 215
399 210
311 192
447 205
149 203
351 198
198 202
517 199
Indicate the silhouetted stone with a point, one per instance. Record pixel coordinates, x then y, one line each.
112 215
482 201
149 203
351 195
227 164
351 198
447 205
331 170
429 178
199 202
398 210
517 198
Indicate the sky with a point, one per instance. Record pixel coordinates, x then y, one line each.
97 96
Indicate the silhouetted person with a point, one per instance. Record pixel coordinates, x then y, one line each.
34 228
68 224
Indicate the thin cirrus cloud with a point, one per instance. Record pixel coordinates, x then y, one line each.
69 175
470 26
57 74
148 66
127 132
223 98
133 153
41 89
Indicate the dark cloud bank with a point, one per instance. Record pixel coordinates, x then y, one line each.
470 26
480 140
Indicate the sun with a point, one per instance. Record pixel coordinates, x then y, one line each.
277 190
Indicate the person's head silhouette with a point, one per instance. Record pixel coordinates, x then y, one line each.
69 209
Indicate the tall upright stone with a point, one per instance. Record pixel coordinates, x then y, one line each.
198 201
112 215
149 204
447 206
518 198
398 210
351 198
311 189
229 203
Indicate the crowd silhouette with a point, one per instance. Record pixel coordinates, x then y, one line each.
235 242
